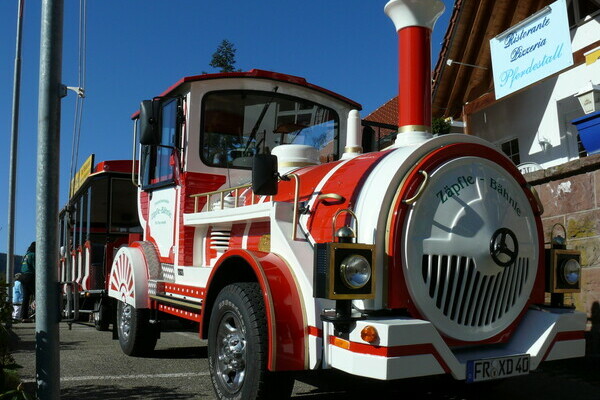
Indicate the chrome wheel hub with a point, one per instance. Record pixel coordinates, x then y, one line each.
231 352
125 321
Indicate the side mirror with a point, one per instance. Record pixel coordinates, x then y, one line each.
264 175
149 128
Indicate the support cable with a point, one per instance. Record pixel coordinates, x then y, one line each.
79 102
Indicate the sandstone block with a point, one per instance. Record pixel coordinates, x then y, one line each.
568 195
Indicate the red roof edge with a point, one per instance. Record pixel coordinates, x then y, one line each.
259 74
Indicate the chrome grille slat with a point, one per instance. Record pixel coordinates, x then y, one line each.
489 281
466 296
447 269
476 300
493 297
469 286
471 298
462 272
436 296
511 284
501 294
516 288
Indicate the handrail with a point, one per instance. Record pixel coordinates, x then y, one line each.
296 201
220 192
236 189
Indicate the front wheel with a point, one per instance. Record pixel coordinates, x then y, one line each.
137 336
238 347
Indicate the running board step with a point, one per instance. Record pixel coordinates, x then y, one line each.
178 303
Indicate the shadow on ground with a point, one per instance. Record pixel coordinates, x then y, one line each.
180 353
554 380
93 392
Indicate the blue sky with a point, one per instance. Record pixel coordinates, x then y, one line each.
138 48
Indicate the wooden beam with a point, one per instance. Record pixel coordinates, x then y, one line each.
472 47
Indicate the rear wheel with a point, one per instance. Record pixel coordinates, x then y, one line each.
137 336
101 315
238 347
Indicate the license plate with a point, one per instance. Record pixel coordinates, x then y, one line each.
496 368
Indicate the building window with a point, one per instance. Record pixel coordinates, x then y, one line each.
579 9
511 149
582 151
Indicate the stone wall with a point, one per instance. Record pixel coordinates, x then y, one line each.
570 194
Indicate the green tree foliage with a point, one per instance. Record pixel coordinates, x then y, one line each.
440 126
224 57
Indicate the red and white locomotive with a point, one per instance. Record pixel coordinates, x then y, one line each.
293 254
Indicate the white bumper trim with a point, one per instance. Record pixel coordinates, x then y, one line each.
410 348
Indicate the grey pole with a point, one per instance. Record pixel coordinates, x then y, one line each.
12 172
48 156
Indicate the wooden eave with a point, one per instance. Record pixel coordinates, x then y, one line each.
472 24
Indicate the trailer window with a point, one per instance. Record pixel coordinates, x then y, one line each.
238 124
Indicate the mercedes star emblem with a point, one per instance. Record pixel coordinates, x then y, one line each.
504 247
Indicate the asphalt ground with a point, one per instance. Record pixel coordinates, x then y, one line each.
93 367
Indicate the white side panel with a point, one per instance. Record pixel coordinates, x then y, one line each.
384 368
161 221
299 255
567 349
315 348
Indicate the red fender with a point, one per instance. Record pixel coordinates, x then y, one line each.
286 319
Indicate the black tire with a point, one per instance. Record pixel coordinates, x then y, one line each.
137 336
238 347
102 316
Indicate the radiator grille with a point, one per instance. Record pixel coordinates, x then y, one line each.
465 295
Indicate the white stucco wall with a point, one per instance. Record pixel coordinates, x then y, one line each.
541 113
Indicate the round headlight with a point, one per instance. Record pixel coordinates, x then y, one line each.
355 271
571 271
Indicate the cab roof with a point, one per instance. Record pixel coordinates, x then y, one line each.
259 74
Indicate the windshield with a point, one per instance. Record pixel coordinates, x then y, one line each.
238 124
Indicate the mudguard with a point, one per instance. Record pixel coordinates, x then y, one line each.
286 317
129 274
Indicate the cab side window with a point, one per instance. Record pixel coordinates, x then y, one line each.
160 161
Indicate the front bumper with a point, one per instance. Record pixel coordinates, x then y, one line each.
410 347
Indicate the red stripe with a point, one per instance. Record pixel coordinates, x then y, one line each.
396 351
192 291
314 331
175 311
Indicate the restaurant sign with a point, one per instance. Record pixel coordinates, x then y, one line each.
531 50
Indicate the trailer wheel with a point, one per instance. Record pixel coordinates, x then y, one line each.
102 316
238 347
137 336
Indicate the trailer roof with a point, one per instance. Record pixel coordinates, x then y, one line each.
261 74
